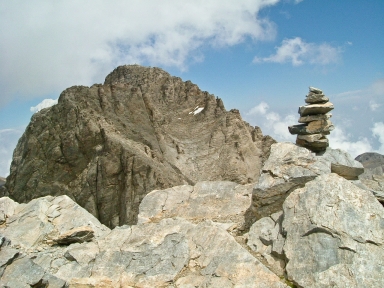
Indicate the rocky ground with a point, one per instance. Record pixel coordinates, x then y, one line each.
327 231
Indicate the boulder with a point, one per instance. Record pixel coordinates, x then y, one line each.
170 252
334 235
108 145
287 168
343 164
37 223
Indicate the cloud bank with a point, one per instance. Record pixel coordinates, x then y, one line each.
299 52
271 122
47 46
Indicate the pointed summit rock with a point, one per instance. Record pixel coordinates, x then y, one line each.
108 145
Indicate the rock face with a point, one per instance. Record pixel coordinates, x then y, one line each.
162 252
287 168
290 167
373 176
329 234
107 146
312 134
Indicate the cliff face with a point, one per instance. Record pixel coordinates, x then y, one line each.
107 146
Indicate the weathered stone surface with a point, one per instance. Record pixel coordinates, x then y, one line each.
2 181
314 127
107 146
315 90
313 98
219 201
75 235
310 118
7 208
287 168
334 235
316 145
23 272
44 219
265 238
166 253
343 164
314 109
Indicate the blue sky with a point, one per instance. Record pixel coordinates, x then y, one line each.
259 56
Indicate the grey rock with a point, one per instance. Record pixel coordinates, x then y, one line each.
108 145
310 118
221 201
332 228
152 254
313 98
315 90
24 272
314 127
2 181
315 144
314 109
371 160
40 221
343 164
287 168
265 239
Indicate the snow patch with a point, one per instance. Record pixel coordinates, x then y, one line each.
197 110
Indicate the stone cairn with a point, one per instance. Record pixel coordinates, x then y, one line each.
316 124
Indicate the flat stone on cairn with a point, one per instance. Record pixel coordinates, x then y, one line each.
316 124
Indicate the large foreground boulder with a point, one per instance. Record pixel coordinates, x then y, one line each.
168 252
107 146
329 234
290 167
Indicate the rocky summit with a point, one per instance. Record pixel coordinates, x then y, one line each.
316 124
146 181
108 145
314 228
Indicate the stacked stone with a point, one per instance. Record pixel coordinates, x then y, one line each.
316 124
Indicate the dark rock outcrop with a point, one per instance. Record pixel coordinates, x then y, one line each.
107 146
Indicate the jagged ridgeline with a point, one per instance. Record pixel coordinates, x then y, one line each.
107 146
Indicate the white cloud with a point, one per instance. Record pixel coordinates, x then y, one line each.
47 46
271 122
339 139
378 132
259 109
43 104
373 105
299 52
8 141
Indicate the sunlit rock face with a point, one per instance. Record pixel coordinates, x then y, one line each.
108 145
